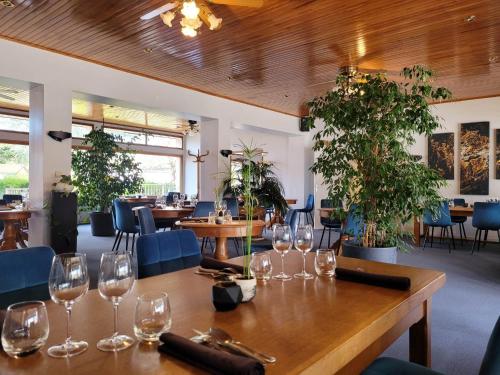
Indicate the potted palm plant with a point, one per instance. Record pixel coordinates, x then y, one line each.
103 171
370 122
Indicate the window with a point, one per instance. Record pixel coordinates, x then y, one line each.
161 173
14 123
164 140
14 169
127 136
80 130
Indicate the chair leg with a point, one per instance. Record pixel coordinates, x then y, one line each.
479 236
432 236
116 240
321 240
452 238
237 247
133 242
329 233
126 244
463 230
460 232
202 244
441 235
485 237
474 242
426 234
119 241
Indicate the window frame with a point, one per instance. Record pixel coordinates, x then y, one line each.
14 113
80 122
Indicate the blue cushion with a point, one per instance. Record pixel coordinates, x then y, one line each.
125 218
309 204
203 208
441 219
165 252
9 198
232 205
393 366
486 215
491 359
24 274
146 221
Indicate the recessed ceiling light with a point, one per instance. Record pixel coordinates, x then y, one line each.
7 3
493 59
148 50
470 18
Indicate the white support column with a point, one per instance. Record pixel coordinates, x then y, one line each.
50 109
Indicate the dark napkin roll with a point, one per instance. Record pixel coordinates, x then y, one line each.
215 264
386 281
208 359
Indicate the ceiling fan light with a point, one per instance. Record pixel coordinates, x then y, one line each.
189 31
214 22
167 18
190 9
191 23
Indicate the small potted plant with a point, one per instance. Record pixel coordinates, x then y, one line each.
103 171
364 157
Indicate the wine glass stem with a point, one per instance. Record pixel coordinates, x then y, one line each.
282 263
115 320
68 326
304 263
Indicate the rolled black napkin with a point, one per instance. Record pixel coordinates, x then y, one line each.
212 360
215 264
386 281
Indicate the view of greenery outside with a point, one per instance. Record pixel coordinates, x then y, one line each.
14 167
161 173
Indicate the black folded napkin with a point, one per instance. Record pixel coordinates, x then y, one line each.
212 360
215 264
386 281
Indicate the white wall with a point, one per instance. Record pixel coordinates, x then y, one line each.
27 64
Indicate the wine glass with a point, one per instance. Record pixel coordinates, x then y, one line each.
324 262
68 283
282 243
25 329
153 316
304 243
116 278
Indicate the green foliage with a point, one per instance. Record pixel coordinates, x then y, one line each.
369 124
13 182
104 171
13 154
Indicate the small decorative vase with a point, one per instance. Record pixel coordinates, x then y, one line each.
226 295
219 220
248 287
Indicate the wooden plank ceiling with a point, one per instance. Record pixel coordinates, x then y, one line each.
271 56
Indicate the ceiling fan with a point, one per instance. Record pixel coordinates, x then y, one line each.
3 93
195 13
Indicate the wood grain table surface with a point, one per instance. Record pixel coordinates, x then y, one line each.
318 326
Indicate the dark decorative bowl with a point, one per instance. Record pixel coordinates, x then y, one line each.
226 295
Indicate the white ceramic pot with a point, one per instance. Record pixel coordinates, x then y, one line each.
63 187
248 288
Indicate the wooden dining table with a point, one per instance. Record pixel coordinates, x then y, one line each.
12 233
168 212
221 232
318 326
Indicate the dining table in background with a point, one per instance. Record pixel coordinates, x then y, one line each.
221 232
12 233
168 212
318 326
454 211
144 200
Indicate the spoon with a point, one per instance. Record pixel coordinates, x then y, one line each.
226 340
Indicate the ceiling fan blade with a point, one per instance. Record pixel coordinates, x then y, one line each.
241 3
159 10
7 97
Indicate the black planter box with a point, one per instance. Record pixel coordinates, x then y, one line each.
63 222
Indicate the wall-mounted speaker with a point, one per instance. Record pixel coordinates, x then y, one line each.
306 124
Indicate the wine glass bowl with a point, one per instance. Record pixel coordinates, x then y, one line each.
153 316
304 243
282 243
68 283
116 279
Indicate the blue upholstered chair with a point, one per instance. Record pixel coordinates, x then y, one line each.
292 219
460 220
24 274
329 223
146 221
308 210
232 205
353 224
441 220
125 223
203 208
9 198
169 198
389 366
165 252
486 217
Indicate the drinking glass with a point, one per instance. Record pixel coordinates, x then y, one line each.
116 278
228 217
325 263
211 218
152 316
260 266
68 283
176 199
218 207
282 243
304 243
25 329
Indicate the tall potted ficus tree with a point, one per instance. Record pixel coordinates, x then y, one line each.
103 171
370 122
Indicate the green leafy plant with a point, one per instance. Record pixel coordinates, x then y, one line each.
370 122
104 171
